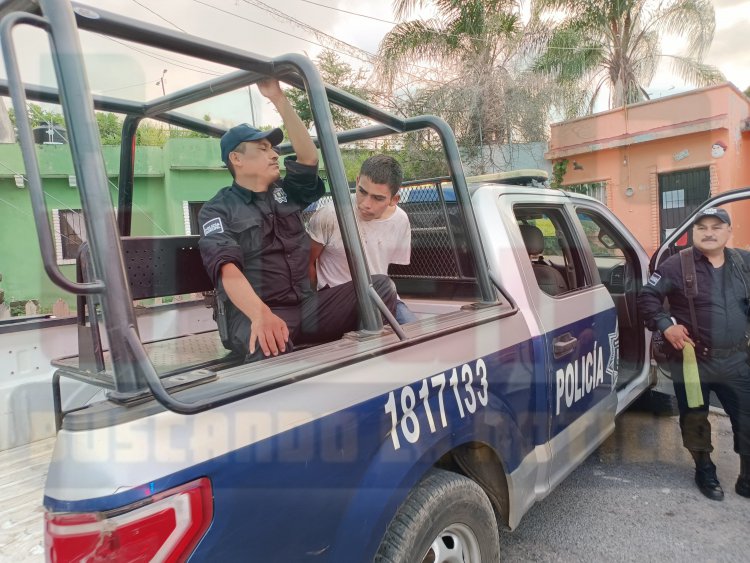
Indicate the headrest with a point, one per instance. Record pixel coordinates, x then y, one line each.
533 239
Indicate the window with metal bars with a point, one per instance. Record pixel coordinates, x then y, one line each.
597 190
70 232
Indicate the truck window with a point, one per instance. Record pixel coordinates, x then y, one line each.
555 256
619 268
608 251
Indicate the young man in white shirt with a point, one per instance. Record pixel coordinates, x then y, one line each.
383 227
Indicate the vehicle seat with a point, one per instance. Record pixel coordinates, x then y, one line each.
549 279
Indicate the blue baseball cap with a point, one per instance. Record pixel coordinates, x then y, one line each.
244 132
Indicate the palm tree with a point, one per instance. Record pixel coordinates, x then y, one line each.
476 83
617 44
471 32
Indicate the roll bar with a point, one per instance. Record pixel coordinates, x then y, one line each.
61 20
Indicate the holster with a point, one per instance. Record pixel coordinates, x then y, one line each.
214 300
662 350
220 316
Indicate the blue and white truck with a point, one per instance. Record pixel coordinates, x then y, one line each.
393 444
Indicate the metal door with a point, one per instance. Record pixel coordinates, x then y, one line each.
680 193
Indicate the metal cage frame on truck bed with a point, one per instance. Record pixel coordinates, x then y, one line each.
108 286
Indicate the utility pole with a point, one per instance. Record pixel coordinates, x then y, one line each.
161 82
252 106
164 93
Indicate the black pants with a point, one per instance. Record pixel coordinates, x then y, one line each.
326 315
729 378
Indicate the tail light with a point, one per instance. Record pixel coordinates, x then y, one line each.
165 528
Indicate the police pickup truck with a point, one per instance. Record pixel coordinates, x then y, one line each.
395 443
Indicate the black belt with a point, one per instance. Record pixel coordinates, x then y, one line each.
705 352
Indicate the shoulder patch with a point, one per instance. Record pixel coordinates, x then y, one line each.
279 195
654 279
213 226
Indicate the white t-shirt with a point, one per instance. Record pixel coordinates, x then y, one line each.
386 241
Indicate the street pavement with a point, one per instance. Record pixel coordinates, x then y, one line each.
635 499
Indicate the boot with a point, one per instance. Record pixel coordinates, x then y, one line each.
742 487
705 476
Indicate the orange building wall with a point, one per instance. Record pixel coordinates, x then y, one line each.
628 148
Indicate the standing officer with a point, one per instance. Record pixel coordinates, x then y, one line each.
255 248
720 341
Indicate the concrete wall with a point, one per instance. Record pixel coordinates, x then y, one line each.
503 158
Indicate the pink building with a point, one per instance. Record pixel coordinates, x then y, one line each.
652 163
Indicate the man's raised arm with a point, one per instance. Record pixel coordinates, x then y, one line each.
301 141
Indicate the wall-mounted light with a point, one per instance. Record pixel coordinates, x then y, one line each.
577 166
624 160
72 182
629 192
19 181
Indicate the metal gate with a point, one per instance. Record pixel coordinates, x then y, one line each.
680 193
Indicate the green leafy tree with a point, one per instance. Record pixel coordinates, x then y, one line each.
150 134
38 116
340 74
617 45
110 128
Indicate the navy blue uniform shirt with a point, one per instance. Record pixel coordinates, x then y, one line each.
263 235
721 306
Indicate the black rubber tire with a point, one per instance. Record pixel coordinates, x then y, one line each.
440 500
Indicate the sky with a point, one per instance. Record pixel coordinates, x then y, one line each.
135 72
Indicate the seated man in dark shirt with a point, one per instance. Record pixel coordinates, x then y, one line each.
255 248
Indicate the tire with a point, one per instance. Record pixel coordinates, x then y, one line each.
446 518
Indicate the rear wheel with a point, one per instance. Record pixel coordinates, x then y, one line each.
446 518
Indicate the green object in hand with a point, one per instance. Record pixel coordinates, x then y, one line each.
690 376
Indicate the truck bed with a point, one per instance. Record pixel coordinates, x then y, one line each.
23 471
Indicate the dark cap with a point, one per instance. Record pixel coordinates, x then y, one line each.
717 212
244 132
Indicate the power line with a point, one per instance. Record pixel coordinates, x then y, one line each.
261 24
160 16
368 58
348 12
183 65
352 50
355 51
481 39
125 87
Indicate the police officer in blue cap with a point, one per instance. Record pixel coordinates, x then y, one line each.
720 340
255 248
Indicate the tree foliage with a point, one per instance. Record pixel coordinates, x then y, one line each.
39 116
476 51
617 46
340 74
110 126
